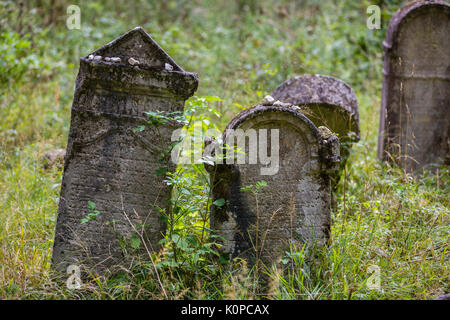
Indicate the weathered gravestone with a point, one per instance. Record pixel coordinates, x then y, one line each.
328 102
109 171
295 159
414 119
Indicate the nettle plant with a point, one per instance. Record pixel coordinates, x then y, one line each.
188 242
93 213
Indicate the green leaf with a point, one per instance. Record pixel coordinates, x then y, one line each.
219 202
247 188
91 205
139 129
175 238
163 219
260 184
161 171
224 259
135 242
182 244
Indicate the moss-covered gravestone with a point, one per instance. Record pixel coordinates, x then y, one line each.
414 119
328 102
278 194
109 185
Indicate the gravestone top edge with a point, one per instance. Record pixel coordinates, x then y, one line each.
322 89
260 109
122 77
135 63
408 10
343 99
146 38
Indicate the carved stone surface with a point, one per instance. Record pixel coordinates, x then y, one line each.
414 118
295 204
109 164
326 101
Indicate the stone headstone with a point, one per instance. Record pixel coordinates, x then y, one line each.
414 119
328 102
294 205
109 170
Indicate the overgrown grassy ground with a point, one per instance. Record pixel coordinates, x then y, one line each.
241 50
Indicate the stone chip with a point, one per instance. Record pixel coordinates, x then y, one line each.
267 101
133 62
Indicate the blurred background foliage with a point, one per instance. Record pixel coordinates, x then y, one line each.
239 48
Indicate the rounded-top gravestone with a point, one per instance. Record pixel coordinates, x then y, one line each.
414 120
328 102
278 194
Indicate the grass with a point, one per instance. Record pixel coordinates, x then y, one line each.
384 217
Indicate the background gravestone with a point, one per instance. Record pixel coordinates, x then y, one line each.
414 119
328 102
295 204
109 164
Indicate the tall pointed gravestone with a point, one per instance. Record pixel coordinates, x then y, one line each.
326 101
109 183
414 121
278 195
